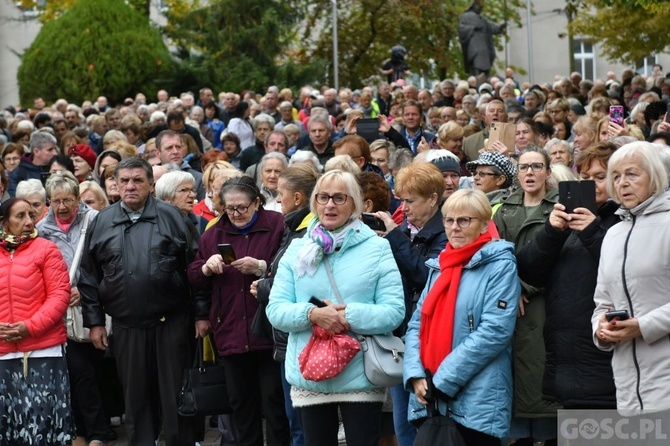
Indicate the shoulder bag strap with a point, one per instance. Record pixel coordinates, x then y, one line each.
80 248
332 280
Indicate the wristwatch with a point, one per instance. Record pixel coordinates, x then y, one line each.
259 269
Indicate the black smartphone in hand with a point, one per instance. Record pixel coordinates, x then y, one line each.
375 223
317 302
368 128
621 315
577 194
227 253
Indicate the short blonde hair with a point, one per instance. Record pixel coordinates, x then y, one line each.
449 131
471 200
648 158
352 185
342 162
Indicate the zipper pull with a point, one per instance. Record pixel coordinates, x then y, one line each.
471 322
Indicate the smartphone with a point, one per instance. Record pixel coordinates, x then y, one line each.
227 253
44 176
622 315
368 128
375 223
503 132
317 302
616 114
577 194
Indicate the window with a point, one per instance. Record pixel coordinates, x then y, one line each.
585 59
645 66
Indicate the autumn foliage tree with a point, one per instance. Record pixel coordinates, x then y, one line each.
627 30
97 47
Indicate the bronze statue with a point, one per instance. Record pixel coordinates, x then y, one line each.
476 36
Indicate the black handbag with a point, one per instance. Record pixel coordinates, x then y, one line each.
437 429
203 390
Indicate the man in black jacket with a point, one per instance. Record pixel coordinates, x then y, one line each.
134 269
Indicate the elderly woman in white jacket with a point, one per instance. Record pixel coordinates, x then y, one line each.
633 276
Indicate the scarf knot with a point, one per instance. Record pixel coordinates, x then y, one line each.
319 242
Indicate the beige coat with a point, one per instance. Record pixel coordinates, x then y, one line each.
634 275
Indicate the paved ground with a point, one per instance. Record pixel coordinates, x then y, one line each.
212 437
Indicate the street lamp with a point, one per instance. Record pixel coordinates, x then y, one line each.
336 71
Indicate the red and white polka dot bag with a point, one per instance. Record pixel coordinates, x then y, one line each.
326 355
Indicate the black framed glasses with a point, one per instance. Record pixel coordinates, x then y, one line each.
338 199
484 174
67 202
536 167
462 222
230 210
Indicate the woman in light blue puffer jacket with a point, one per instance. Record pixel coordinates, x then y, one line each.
368 280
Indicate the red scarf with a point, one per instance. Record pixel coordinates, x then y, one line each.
437 314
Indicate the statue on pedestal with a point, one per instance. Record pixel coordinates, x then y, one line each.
476 36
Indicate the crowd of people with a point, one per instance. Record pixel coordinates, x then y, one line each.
403 210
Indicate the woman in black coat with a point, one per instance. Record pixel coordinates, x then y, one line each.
564 259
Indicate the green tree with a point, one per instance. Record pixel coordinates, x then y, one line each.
236 44
628 30
367 29
97 47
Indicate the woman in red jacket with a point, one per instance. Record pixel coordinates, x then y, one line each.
34 294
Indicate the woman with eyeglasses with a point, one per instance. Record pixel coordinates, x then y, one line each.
178 188
253 377
63 225
493 174
460 336
518 220
563 257
367 278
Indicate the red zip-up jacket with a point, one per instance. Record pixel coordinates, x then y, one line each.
35 289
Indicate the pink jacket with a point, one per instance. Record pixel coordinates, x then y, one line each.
35 289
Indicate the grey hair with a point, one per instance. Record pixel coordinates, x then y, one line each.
320 119
263 118
285 104
27 188
40 139
305 156
649 159
554 141
400 158
196 108
63 181
167 184
155 116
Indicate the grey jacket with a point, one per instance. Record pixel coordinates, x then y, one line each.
66 241
633 275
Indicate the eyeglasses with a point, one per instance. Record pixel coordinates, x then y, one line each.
338 199
462 222
484 174
230 210
536 167
186 190
67 202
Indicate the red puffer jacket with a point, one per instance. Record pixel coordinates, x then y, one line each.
35 289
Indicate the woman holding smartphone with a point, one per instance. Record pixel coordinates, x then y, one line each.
633 276
253 377
577 374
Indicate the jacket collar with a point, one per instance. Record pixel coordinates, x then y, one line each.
297 218
432 227
121 217
517 197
